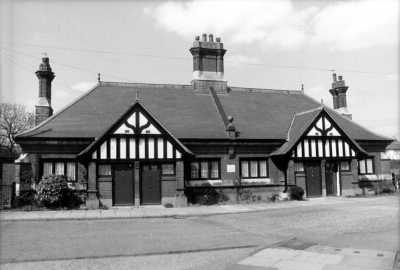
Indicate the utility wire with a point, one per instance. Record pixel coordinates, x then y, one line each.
189 59
73 66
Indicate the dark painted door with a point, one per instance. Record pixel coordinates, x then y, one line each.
331 178
151 187
313 175
123 189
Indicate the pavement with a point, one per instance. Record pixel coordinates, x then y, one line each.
317 257
162 212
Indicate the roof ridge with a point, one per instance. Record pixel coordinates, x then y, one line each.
263 90
60 111
312 110
147 85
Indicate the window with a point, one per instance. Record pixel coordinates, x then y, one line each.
345 166
104 170
204 169
56 167
167 169
254 168
365 166
298 167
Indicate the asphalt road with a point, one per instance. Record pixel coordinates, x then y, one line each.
195 243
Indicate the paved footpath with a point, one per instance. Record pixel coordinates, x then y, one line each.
162 212
317 257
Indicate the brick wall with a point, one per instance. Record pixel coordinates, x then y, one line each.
105 190
168 189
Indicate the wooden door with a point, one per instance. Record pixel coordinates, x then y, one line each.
313 179
331 170
151 186
123 187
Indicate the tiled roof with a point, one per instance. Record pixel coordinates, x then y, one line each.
257 113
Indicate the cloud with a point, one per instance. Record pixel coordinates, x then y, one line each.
275 23
236 59
279 25
347 26
83 86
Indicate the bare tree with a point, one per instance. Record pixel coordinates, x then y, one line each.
14 119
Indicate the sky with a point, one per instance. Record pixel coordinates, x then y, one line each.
270 44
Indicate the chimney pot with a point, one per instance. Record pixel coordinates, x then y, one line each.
340 78
197 38
218 39
334 77
210 38
204 38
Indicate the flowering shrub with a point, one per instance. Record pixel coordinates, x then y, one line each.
51 190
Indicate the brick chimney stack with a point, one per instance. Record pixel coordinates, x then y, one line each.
43 106
338 93
208 65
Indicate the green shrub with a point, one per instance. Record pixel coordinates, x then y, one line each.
273 197
296 193
52 190
168 205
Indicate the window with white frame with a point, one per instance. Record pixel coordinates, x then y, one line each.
257 168
205 169
57 167
366 166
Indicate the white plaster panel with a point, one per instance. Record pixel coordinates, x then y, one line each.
299 153
320 149
314 132
347 149
132 148
141 148
327 152
160 148
334 132
319 123
122 148
123 129
113 148
327 124
313 148
103 150
132 119
151 130
306 152
353 153
169 150
142 120
334 148
94 155
151 148
340 146
178 154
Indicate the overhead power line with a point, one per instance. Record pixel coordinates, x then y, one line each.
73 66
189 59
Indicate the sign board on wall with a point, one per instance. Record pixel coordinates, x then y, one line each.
230 168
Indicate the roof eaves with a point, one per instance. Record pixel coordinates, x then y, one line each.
59 112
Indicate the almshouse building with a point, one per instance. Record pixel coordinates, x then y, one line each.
141 144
